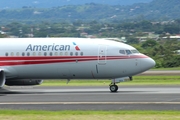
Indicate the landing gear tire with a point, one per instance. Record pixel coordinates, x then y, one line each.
113 88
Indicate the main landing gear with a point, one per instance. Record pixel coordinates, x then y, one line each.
113 87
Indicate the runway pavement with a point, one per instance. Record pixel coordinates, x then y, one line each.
91 98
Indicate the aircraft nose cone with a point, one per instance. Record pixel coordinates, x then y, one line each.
151 63
147 64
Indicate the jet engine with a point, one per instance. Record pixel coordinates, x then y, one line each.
2 78
23 82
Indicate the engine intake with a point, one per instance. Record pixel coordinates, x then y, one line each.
23 82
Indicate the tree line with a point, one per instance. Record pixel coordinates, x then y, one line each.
164 52
129 30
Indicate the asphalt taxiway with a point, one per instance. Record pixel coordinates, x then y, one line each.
91 98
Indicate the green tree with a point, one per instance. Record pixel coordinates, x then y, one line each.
3 35
132 40
149 44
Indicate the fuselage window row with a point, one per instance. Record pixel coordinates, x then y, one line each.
44 54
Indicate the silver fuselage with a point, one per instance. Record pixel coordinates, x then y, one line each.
69 58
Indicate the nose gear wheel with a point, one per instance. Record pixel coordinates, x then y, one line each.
113 88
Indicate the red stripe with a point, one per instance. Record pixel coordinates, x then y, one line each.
66 57
11 61
37 58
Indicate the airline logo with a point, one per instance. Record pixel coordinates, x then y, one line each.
52 47
76 47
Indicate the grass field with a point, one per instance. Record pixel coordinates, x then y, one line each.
137 80
88 115
173 68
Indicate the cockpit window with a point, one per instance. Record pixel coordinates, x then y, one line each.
135 51
128 52
122 52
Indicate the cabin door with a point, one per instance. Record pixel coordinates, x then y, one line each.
102 51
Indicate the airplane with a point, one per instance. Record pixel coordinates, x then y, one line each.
29 61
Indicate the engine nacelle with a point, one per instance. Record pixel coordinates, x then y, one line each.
2 78
23 82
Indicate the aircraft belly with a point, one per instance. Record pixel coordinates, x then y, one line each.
36 71
77 70
83 70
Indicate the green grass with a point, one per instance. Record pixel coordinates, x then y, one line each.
88 115
174 68
156 80
137 80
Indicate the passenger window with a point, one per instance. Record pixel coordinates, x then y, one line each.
23 54
39 54
50 53
12 54
6 54
28 54
56 54
45 53
76 53
61 53
128 52
34 53
71 53
122 52
66 53
17 54
81 53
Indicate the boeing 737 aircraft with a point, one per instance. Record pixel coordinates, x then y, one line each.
29 61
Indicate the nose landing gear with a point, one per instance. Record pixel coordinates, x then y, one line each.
113 87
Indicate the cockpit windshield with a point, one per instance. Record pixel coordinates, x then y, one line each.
135 51
122 52
128 52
